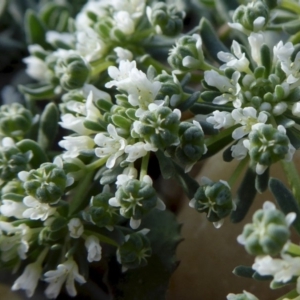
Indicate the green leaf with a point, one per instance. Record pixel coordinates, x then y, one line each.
243 271
285 200
104 105
266 59
245 196
224 6
121 122
211 40
39 155
292 27
48 126
34 29
259 277
294 136
189 102
261 181
37 92
165 165
206 108
151 282
94 126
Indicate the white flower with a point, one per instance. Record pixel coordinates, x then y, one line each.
112 146
141 91
237 60
29 279
66 272
237 297
124 22
282 52
291 69
256 40
37 210
138 150
90 45
296 109
239 151
221 119
11 208
52 37
15 243
74 123
75 144
247 118
75 228
36 67
93 248
229 88
123 54
128 174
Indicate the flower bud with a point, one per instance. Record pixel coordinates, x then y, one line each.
166 19
268 233
46 184
15 120
12 161
213 198
268 145
253 17
187 55
72 72
136 198
100 212
159 127
191 146
134 252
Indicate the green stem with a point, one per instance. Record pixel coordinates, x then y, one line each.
237 172
293 178
102 238
144 166
78 196
148 60
97 69
295 38
290 295
290 5
207 67
293 249
96 164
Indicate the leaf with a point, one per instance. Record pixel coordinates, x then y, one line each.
165 165
48 126
243 271
261 181
259 277
224 6
211 40
294 136
245 196
39 155
34 29
151 282
189 102
266 59
285 200
207 108
37 92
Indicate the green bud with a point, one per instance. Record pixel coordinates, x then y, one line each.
100 212
213 198
170 87
268 233
159 127
268 145
13 161
135 251
72 72
13 187
247 15
166 18
136 198
46 184
15 120
191 146
57 230
187 55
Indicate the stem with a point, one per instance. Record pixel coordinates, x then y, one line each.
78 198
293 178
102 238
207 67
290 295
96 164
100 68
295 38
237 172
290 5
293 249
148 60
144 166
